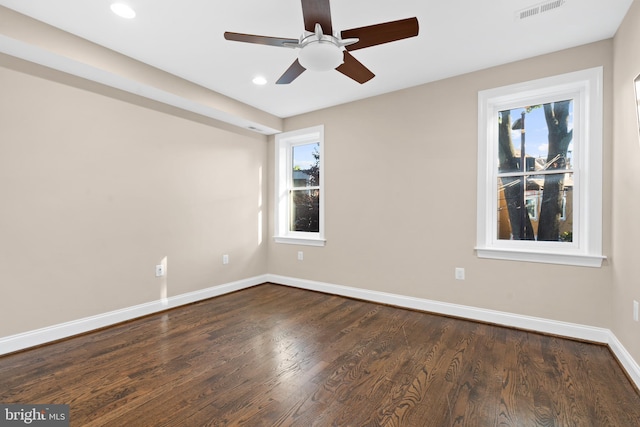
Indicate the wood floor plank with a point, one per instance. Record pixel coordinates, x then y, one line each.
278 356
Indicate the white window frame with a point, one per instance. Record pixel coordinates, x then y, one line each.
283 175
585 88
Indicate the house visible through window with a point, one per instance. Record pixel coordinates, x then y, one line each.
540 170
299 187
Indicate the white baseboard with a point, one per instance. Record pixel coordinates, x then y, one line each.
36 337
33 338
628 362
554 327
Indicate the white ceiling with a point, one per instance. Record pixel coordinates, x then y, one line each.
185 38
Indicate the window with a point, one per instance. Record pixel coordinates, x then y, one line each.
299 187
540 170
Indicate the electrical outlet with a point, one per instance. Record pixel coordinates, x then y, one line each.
300 255
225 259
459 273
160 271
636 309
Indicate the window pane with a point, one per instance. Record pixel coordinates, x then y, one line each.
510 197
306 165
305 210
548 208
538 137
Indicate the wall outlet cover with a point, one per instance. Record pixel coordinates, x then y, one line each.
160 270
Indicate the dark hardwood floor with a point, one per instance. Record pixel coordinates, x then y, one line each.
278 356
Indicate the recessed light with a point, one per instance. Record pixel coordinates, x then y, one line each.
259 80
123 10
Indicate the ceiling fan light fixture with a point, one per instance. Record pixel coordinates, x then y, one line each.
123 10
321 55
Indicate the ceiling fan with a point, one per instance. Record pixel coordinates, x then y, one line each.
321 49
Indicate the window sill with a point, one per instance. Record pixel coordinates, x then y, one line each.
580 260
299 241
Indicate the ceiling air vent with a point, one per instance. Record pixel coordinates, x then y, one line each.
539 8
255 129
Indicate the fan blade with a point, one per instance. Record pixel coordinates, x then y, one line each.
354 69
381 33
291 74
250 38
317 12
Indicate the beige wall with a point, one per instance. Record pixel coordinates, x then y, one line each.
626 184
401 200
96 191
